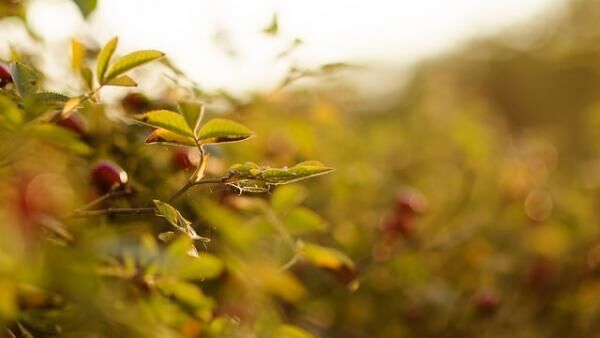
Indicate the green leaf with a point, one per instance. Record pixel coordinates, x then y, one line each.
203 266
162 136
278 282
9 94
188 294
71 106
296 173
326 257
165 119
180 265
334 261
131 61
332 67
122 81
246 177
25 78
86 7
273 27
43 102
275 176
230 226
60 137
87 76
174 217
302 220
192 113
51 99
223 130
248 170
289 331
287 197
222 327
167 236
104 58
11 118
179 246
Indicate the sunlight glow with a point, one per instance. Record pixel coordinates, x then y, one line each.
383 31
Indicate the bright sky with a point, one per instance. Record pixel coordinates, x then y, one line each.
367 32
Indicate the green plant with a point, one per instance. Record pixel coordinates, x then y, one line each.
137 258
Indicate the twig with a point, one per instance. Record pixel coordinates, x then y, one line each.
110 194
85 98
189 184
181 191
291 262
113 211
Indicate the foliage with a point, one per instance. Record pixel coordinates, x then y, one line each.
132 253
466 207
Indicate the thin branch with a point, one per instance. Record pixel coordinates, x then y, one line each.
189 184
291 262
86 97
181 191
113 211
108 195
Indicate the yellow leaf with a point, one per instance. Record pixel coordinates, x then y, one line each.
122 81
104 58
165 119
77 55
131 61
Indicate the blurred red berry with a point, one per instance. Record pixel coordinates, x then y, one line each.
35 199
74 123
541 273
487 302
397 224
411 201
413 312
134 103
5 77
107 175
185 158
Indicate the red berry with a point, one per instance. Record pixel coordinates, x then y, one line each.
5 77
411 202
397 224
36 198
487 302
184 158
74 123
107 175
135 103
541 274
414 312
346 275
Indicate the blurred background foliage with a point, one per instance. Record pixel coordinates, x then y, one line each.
468 204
